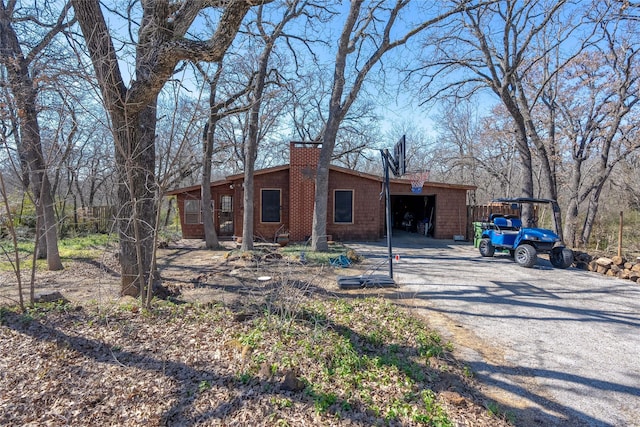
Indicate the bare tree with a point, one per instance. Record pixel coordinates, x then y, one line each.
180 112
365 38
268 33
23 62
160 45
460 131
497 157
218 109
598 106
629 181
496 47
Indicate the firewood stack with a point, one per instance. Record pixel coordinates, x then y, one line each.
616 266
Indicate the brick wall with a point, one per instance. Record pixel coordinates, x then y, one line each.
368 208
303 161
297 185
278 180
189 231
196 231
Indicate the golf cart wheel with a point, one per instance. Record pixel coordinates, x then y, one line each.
561 257
486 247
525 256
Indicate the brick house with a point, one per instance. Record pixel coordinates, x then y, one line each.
283 198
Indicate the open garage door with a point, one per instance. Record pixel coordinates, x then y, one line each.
414 213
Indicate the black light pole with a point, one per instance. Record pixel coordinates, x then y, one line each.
385 161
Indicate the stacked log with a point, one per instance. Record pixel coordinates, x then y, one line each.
615 266
582 260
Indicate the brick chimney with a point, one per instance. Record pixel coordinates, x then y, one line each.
303 162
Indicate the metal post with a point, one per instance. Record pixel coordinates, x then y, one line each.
385 162
620 228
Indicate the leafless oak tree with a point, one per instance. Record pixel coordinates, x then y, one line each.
370 30
495 47
161 43
24 64
598 108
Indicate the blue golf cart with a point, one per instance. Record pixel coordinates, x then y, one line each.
504 232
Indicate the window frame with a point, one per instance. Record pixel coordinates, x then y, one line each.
262 206
226 203
335 206
190 213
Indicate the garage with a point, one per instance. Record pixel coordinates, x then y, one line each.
415 213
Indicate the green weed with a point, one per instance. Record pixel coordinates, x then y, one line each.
245 378
87 246
494 409
323 401
311 257
434 414
431 345
251 339
204 386
467 371
281 402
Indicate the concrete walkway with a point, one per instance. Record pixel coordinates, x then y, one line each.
557 347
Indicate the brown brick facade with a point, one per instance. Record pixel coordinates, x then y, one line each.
296 183
303 159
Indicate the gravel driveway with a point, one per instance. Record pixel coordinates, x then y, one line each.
556 347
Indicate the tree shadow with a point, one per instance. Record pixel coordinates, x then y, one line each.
548 306
241 391
100 265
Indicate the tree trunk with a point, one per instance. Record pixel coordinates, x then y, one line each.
132 110
135 163
548 188
571 216
247 216
336 114
522 145
319 237
210 236
252 142
40 186
29 144
590 219
250 151
41 243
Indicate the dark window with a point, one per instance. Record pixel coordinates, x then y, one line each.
270 205
343 206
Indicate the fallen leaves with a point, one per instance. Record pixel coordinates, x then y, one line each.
287 352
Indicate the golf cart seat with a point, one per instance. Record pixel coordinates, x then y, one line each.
507 224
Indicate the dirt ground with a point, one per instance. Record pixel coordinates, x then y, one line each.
198 274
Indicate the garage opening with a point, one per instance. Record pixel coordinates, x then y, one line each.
414 213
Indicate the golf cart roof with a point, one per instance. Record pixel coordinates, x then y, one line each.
524 200
531 200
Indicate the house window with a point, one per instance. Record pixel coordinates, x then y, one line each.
343 206
225 216
226 204
192 212
270 206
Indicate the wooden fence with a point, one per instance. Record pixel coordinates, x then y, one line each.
480 213
98 219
